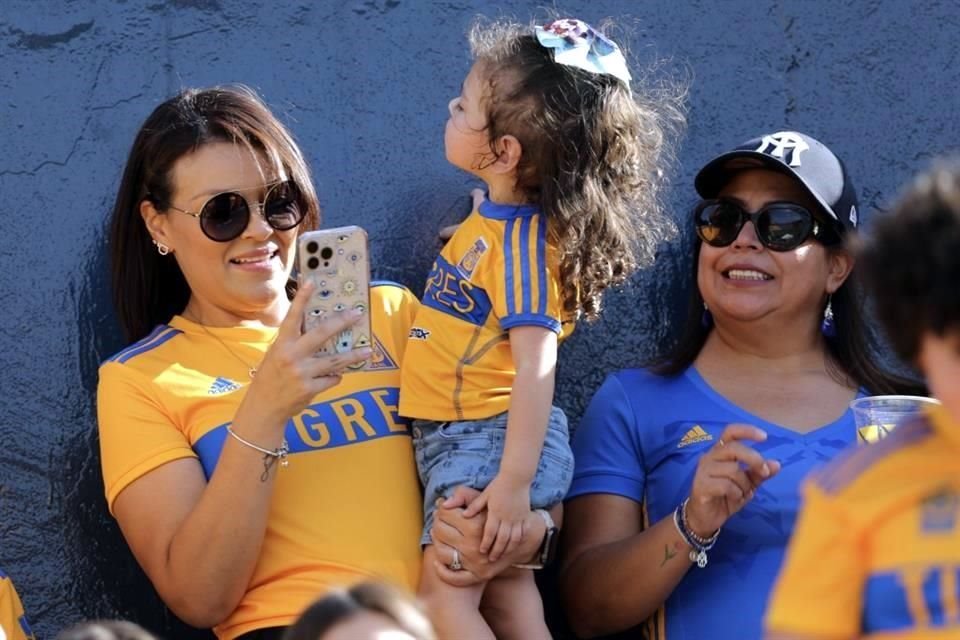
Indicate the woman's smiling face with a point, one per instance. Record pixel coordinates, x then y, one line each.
747 281
245 278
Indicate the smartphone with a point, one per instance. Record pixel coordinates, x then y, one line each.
337 262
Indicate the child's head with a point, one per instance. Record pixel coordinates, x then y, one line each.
556 116
912 265
366 611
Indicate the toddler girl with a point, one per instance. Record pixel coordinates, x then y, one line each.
571 160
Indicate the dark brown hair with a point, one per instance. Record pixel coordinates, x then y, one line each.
371 597
593 155
148 289
853 347
911 262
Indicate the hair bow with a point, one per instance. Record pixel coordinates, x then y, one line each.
576 44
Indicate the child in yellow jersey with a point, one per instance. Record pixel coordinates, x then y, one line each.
876 553
13 621
570 157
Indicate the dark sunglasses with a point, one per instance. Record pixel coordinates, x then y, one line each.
780 226
225 216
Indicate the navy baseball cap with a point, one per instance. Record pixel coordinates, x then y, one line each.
821 173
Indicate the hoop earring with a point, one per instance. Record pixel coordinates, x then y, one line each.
162 249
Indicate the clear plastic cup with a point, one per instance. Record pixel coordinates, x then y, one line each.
876 416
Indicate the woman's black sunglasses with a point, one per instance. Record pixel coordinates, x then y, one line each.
225 216
780 226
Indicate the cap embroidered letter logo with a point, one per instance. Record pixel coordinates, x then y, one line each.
782 143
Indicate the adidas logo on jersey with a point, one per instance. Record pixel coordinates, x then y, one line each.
222 385
693 436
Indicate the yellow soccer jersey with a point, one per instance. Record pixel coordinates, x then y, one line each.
348 506
13 622
495 273
876 550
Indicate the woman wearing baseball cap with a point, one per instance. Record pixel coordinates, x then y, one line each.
687 472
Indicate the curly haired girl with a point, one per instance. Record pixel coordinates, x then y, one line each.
571 158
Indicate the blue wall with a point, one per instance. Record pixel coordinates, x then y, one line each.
364 86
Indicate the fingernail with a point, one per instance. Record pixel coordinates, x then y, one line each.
356 313
765 470
438 502
366 352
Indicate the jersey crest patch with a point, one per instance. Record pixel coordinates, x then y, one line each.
468 263
939 512
693 436
221 386
380 360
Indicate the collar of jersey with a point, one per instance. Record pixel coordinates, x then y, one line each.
942 424
497 211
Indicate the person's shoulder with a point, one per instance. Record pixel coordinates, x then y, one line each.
153 345
390 295
641 379
864 468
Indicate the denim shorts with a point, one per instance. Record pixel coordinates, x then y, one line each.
468 452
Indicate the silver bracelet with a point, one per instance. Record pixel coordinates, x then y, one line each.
699 544
269 457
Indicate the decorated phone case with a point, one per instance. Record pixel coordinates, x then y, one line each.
337 262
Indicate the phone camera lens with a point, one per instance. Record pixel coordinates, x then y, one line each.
313 263
326 253
312 247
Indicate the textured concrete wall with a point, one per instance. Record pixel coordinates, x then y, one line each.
364 85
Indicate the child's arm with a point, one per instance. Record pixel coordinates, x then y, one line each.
507 498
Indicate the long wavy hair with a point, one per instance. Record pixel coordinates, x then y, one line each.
149 289
594 155
854 348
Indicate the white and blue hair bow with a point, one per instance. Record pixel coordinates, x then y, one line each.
576 44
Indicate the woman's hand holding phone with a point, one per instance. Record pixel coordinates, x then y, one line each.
291 372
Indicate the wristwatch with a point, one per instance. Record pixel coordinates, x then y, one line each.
548 548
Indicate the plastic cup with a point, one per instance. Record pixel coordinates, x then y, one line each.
876 416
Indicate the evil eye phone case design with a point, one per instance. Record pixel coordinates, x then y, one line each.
337 262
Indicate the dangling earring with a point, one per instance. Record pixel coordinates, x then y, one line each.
706 318
827 327
162 249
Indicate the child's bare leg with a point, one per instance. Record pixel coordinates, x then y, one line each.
454 611
512 607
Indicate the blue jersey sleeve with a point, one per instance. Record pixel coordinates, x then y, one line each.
606 446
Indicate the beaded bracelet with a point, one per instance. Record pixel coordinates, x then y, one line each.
269 457
699 544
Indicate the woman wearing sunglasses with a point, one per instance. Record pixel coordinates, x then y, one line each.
687 472
247 474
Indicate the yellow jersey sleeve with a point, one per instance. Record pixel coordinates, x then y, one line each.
524 279
136 434
13 621
819 590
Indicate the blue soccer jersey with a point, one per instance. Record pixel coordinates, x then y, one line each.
641 438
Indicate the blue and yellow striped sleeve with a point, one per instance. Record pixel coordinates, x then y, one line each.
530 292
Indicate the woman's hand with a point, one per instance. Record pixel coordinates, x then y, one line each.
727 478
452 530
291 373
